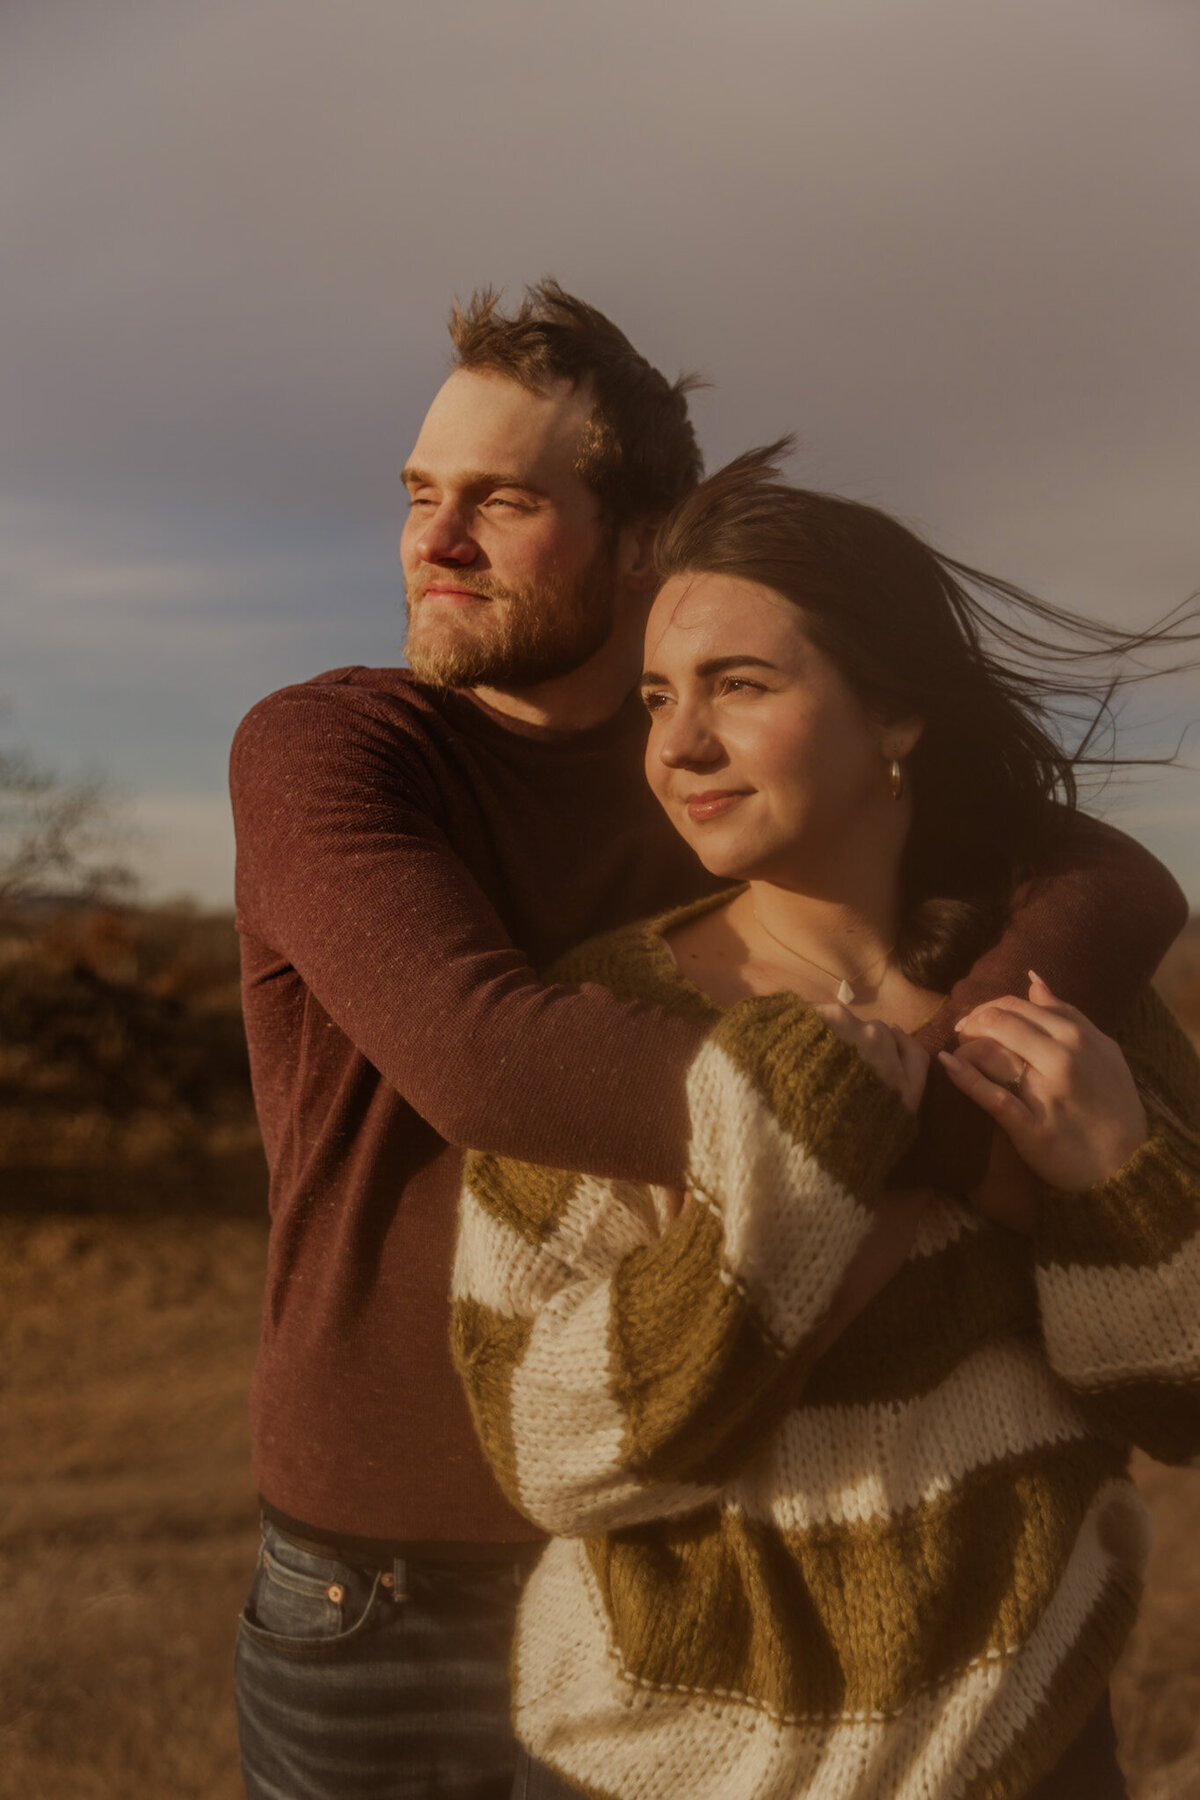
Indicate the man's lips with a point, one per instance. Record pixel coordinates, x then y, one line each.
454 596
710 803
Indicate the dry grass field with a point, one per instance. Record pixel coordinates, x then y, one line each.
131 1254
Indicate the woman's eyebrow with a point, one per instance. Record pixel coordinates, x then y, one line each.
715 665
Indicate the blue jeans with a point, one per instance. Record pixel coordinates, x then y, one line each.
360 1684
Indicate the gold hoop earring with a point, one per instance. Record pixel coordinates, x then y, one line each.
896 779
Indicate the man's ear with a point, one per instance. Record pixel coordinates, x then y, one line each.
635 554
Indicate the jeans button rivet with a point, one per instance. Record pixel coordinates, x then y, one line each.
387 1581
336 1592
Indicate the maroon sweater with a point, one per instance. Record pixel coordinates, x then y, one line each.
405 860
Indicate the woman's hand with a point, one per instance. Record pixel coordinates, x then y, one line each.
896 1058
1074 1115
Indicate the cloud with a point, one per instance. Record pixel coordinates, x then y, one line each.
956 248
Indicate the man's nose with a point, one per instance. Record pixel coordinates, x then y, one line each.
444 537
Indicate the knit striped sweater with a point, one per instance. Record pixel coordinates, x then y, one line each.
899 1570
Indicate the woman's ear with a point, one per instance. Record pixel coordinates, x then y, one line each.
898 738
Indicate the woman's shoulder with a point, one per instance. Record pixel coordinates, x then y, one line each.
635 962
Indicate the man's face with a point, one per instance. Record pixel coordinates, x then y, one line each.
510 572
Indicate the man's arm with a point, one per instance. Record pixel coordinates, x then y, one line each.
1095 925
344 872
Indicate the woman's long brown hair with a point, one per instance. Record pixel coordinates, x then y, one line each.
1000 678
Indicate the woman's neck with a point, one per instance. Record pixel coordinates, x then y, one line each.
847 936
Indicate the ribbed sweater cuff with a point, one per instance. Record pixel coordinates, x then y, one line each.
1137 1218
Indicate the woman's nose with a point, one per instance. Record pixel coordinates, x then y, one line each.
443 537
687 742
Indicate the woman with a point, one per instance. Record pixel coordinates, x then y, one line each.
838 1476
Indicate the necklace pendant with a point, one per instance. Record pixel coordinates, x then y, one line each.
845 993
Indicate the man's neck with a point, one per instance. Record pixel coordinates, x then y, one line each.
587 696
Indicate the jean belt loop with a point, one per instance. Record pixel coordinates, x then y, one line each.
399 1579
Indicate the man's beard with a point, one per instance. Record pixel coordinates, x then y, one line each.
531 636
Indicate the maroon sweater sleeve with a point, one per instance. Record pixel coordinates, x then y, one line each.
1095 925
343 871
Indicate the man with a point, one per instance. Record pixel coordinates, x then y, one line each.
412 845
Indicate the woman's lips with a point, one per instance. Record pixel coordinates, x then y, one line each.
713 802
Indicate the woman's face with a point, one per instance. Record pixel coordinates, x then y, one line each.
761 755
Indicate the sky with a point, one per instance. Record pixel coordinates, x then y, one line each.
954 246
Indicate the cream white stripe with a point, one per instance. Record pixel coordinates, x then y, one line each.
790 1228
944 1222
842 1464
601 1223
576 1711
1124 1324
496 1265
569 1430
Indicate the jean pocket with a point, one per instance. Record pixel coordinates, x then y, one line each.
306 1602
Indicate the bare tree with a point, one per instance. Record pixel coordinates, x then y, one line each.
58 836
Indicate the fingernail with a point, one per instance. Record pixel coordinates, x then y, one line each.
962 1022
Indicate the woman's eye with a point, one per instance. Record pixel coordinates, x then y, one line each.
654 702
736 683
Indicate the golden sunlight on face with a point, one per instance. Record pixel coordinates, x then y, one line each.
762 757
503 544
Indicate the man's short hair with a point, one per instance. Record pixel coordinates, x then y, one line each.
639 453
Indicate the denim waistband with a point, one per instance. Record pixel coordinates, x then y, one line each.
379 1553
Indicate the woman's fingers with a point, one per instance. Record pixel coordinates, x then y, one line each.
880 1047
1075 1131
1052 1018
992 1060
1007 1108
1017 1033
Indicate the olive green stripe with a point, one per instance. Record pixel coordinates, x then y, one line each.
531 1199
857 1616
1069 1698
700 1386
1160 1417
1138 1220
635 963
819 1089
935 1312
487 1349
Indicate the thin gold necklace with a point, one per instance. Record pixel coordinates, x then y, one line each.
845 987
